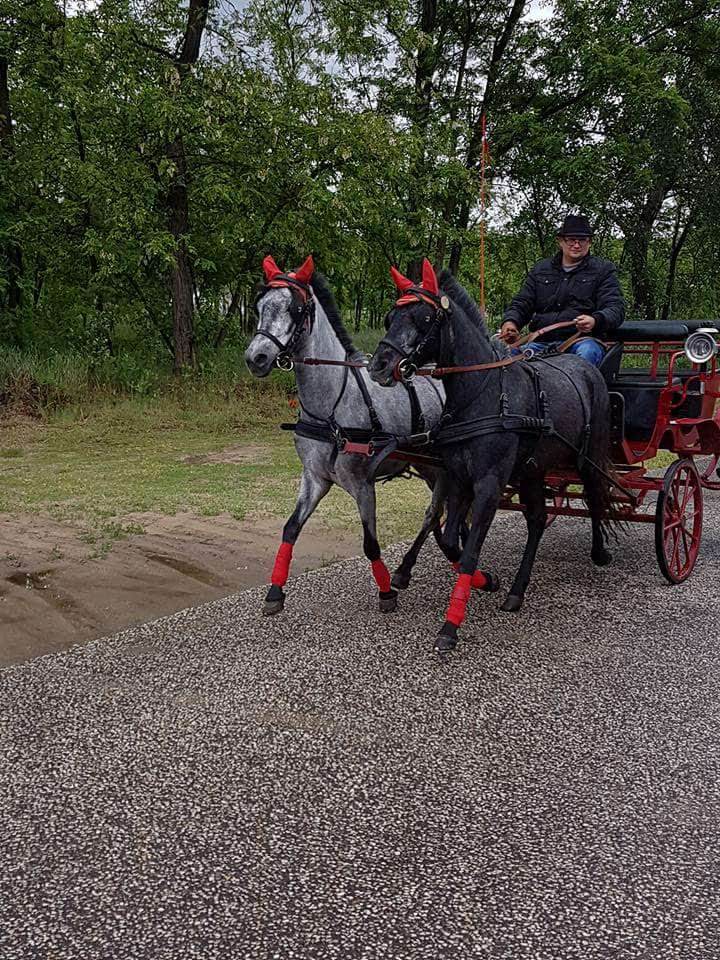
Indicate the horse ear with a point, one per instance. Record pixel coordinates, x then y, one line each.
429 279
270 268
401 282
305 272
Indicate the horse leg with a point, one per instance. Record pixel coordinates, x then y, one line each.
365 498
312 490
485 505
431 524
599 553
533 497
456 532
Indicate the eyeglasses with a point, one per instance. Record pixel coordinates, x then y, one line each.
576 241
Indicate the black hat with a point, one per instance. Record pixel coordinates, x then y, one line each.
575 227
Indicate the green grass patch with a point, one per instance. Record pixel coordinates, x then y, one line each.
95 464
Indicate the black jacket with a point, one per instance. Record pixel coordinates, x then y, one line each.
549 295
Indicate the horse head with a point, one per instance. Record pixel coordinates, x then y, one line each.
286 310
413 328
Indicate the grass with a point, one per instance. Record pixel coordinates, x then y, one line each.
95 464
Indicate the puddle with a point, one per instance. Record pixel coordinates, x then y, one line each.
31 580
187 569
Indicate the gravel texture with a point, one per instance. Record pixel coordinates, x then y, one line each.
319 785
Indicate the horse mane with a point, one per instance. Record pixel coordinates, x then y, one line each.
457 292
327 301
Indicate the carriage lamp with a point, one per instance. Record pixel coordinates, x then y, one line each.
701 345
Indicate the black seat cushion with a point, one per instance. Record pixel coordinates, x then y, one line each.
642 395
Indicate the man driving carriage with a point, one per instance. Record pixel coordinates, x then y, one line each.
572 286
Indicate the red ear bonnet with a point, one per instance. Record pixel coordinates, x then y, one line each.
429 279
270 268
305 272
401 282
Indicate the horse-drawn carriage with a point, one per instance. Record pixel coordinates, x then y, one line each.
546 434
665 400
659 406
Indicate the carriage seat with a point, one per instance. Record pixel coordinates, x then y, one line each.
641 395
633 331
609 366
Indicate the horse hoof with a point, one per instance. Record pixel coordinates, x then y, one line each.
601 558
512 603
274 601
446 640
492 584
400 581
271 607
388 602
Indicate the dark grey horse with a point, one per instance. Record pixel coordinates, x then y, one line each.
481 464
297 311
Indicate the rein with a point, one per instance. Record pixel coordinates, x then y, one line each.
405 370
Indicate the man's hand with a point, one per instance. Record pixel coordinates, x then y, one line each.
509 332
584 323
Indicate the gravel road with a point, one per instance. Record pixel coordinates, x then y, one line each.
318 785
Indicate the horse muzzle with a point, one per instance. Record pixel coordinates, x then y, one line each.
383 367
258 363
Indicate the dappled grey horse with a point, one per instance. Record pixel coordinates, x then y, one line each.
298 318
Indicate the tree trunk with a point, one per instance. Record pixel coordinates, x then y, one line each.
451 200
475 144
420 117
359 299
638 244
13 251
679 238
181 273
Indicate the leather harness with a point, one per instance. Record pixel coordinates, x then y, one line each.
382 445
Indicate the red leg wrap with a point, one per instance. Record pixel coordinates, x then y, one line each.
479 580
282 564
382 575
458 599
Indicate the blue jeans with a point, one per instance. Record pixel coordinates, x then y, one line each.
589 350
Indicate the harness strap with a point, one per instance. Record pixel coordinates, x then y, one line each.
531 337
417 419
330 419
320 362
362 386
438 372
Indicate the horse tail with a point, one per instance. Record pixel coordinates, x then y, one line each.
599 484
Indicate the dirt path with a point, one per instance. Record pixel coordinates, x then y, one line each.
53 596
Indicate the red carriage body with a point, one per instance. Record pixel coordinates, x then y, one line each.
659 406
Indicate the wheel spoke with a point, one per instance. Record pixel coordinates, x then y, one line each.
688 489
686 548
676 550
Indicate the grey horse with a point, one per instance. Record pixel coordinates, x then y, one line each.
298 317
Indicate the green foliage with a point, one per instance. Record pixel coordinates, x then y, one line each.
349 129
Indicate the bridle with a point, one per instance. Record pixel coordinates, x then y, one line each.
407 366
302 313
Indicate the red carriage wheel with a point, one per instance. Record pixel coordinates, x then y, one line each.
678 521
707 467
